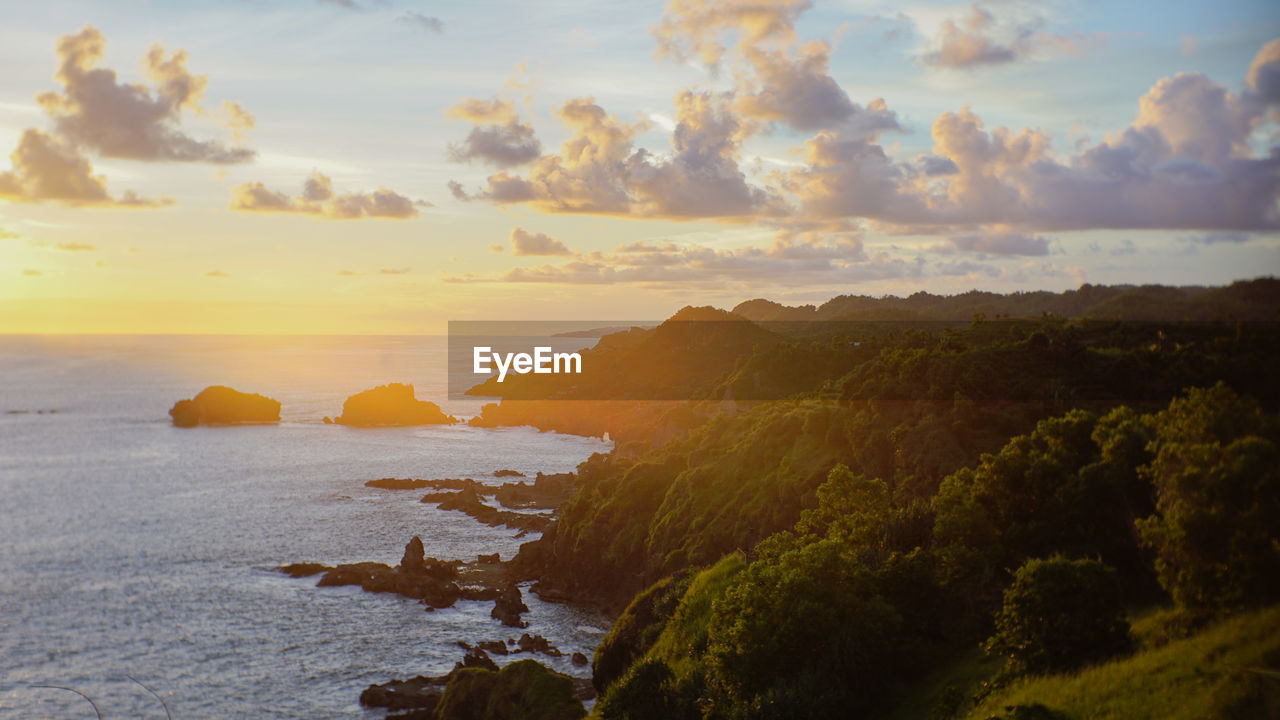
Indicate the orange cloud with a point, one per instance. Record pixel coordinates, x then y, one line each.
524 242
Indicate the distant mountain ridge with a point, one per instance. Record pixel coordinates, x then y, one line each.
1257 299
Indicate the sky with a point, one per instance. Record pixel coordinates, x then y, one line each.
384 166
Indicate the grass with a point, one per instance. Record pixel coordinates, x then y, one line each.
1226 670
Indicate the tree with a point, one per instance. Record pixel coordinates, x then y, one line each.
1217 481
804 634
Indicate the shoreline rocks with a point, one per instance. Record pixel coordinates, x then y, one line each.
431 581
477 687
221 405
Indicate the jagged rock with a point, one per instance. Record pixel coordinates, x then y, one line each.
545 493
488 559
579 659
497 647
537 643
220 405
392 404
476 657
414 560
508 606
432 584
507 473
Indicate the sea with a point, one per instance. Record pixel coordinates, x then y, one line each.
137 559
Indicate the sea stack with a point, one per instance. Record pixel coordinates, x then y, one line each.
391 405
220 405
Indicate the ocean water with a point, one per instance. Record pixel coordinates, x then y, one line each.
131 548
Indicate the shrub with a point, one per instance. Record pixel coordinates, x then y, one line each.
1060 614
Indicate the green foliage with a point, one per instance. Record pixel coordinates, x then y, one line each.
636 629
1058 615
1217 480
668 681
1069 487
804 633
523 690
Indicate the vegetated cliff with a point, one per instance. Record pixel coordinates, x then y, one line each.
220 405
388 405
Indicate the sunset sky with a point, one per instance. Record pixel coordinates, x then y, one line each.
361 166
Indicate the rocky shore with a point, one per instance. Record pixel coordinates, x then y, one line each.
476 687
465 495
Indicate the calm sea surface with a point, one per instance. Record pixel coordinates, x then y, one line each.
129 547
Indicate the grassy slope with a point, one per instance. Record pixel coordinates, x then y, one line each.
1179 679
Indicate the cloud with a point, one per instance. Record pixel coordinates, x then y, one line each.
1264 73
394 271
46 169
1184 163
697 28
6 234
499 138
75 247
236 119
1001 244
777 79
30 272
980 39
497 248
346 273
131 121
1217 238
524 242
318 199
784 262
967 44
423 22
599 171
216 274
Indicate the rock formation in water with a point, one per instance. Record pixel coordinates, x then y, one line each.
476 688
220 405
390 405
508 606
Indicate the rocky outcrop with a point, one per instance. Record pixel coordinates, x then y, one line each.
390 405
507 473
537 643
431 581
476 688
547 492
468 500
508 606
220 405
